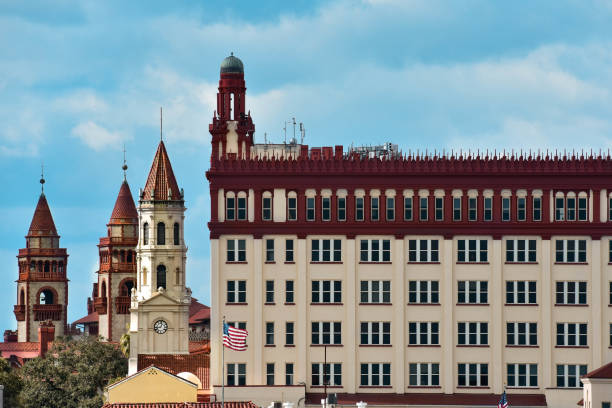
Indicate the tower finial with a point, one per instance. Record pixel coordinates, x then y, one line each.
124 167
161 127
42 177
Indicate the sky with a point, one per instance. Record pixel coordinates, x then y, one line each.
81 79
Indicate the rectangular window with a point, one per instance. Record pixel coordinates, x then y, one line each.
521 334
289 292
610 209
242 208
322 251
326 332
269 373
582 209
359 209
238 325
521 250
236 374
537 208
341 209
326 208
292 208
571 293
288 373
559 210
269 291
424 292
472 208
571 208
568 375
375 250
375 291
266 209
522 375
390 208
423 250
374 208
230 208
439 208
610 343
521 210
408 208
473 375
236 250
570 251
473 333
505 208
571 334
288 250
289 333
456 208
610 253
269 250
472 292
326 291
424 333
423 208
236 291
375 333
375 375
330 374
269 333
488 209
424 374
472 250
310 208
521 292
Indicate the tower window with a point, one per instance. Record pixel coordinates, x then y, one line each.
126 288
267 208
161 276
230 208
145 233
161 233
46 297
177 239
242 211
22 297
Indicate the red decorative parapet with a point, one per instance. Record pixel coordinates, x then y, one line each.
47 312
122 304
20 311
101 305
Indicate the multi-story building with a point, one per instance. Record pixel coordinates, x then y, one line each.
414 278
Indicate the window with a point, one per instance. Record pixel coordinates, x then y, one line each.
375 374
269 373
474 251
322 250
472 292
521 334
236 250
325 208
269 333
408 208
161 233
390 208
46 296
289 293
161 276
537 208
330 374
375 333
145 233
177 237
571 334
473 375
341 209
439 208
288 373
610 252
270 291
269 250
236 374
522 375
423 250
456 208
230 208
605 405
423 333
326 291
472 208
571 208
610 335
242 212
375 291
571 293
610 208
423 208
521 292
568 375
570 250
326 332
236 291
374 210
521 250
358 208
238 325
473 333
288 250
505 208
582 209
266 208
424 374
559 210
488 209
375 250
521 210
423 292
292 208
289 333
310 208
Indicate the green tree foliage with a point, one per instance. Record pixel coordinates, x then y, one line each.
72 375
12 384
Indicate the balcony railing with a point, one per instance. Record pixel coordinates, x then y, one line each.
47 312
20 312
43 276
122 304
101 305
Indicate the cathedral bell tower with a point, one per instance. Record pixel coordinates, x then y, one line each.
232 128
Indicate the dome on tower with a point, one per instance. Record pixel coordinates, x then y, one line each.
232 65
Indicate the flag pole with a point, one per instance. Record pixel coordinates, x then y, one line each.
223 364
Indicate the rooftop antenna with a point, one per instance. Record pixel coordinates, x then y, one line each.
302 132
293 119
161 137
285 131
265 138
124 167
42 177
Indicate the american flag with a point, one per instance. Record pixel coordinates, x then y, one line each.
234 338
503 402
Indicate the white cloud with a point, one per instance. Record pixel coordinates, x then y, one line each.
97 137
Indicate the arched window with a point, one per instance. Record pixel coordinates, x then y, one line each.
126 288
22 297
103 291
122 254
161 233
176 234
60 267
161 276
145 233
46 297
129 256
47 266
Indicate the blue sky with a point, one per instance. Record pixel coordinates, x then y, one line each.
80 79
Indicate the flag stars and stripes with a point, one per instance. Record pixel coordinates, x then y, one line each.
233 338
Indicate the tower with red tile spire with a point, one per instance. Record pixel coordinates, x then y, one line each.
42 286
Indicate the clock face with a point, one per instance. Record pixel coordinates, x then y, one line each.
160 326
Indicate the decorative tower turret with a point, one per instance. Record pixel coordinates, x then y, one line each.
42 287
232 128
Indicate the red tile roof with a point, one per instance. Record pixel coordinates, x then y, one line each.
199 346
198 312
124 206
42 221
438 399
90 318
601 372
161 178
19 346
198 364
228 404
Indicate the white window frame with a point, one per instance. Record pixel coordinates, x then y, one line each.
424 374
236 373
428 291
559 208
390 207
571 204
241 208
580 288
522 373
269 285
289 250
579 370
375 251
457 210
311 208
335 294
477 372
474 250
577 337
288 333
334 373
359 208
234 249
334 255
374 200
341 211
325 208
521 208
565 251
506 209
439 209
332 330
526 293
236 292
289 290
479 289
376 333
270 334
583 210
380 293
266 206
270 375
537 209
487 213
269 250
423 208
479 332
380 379
525 252
231 208
517 330
408 208
420 329
292 214
431 255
